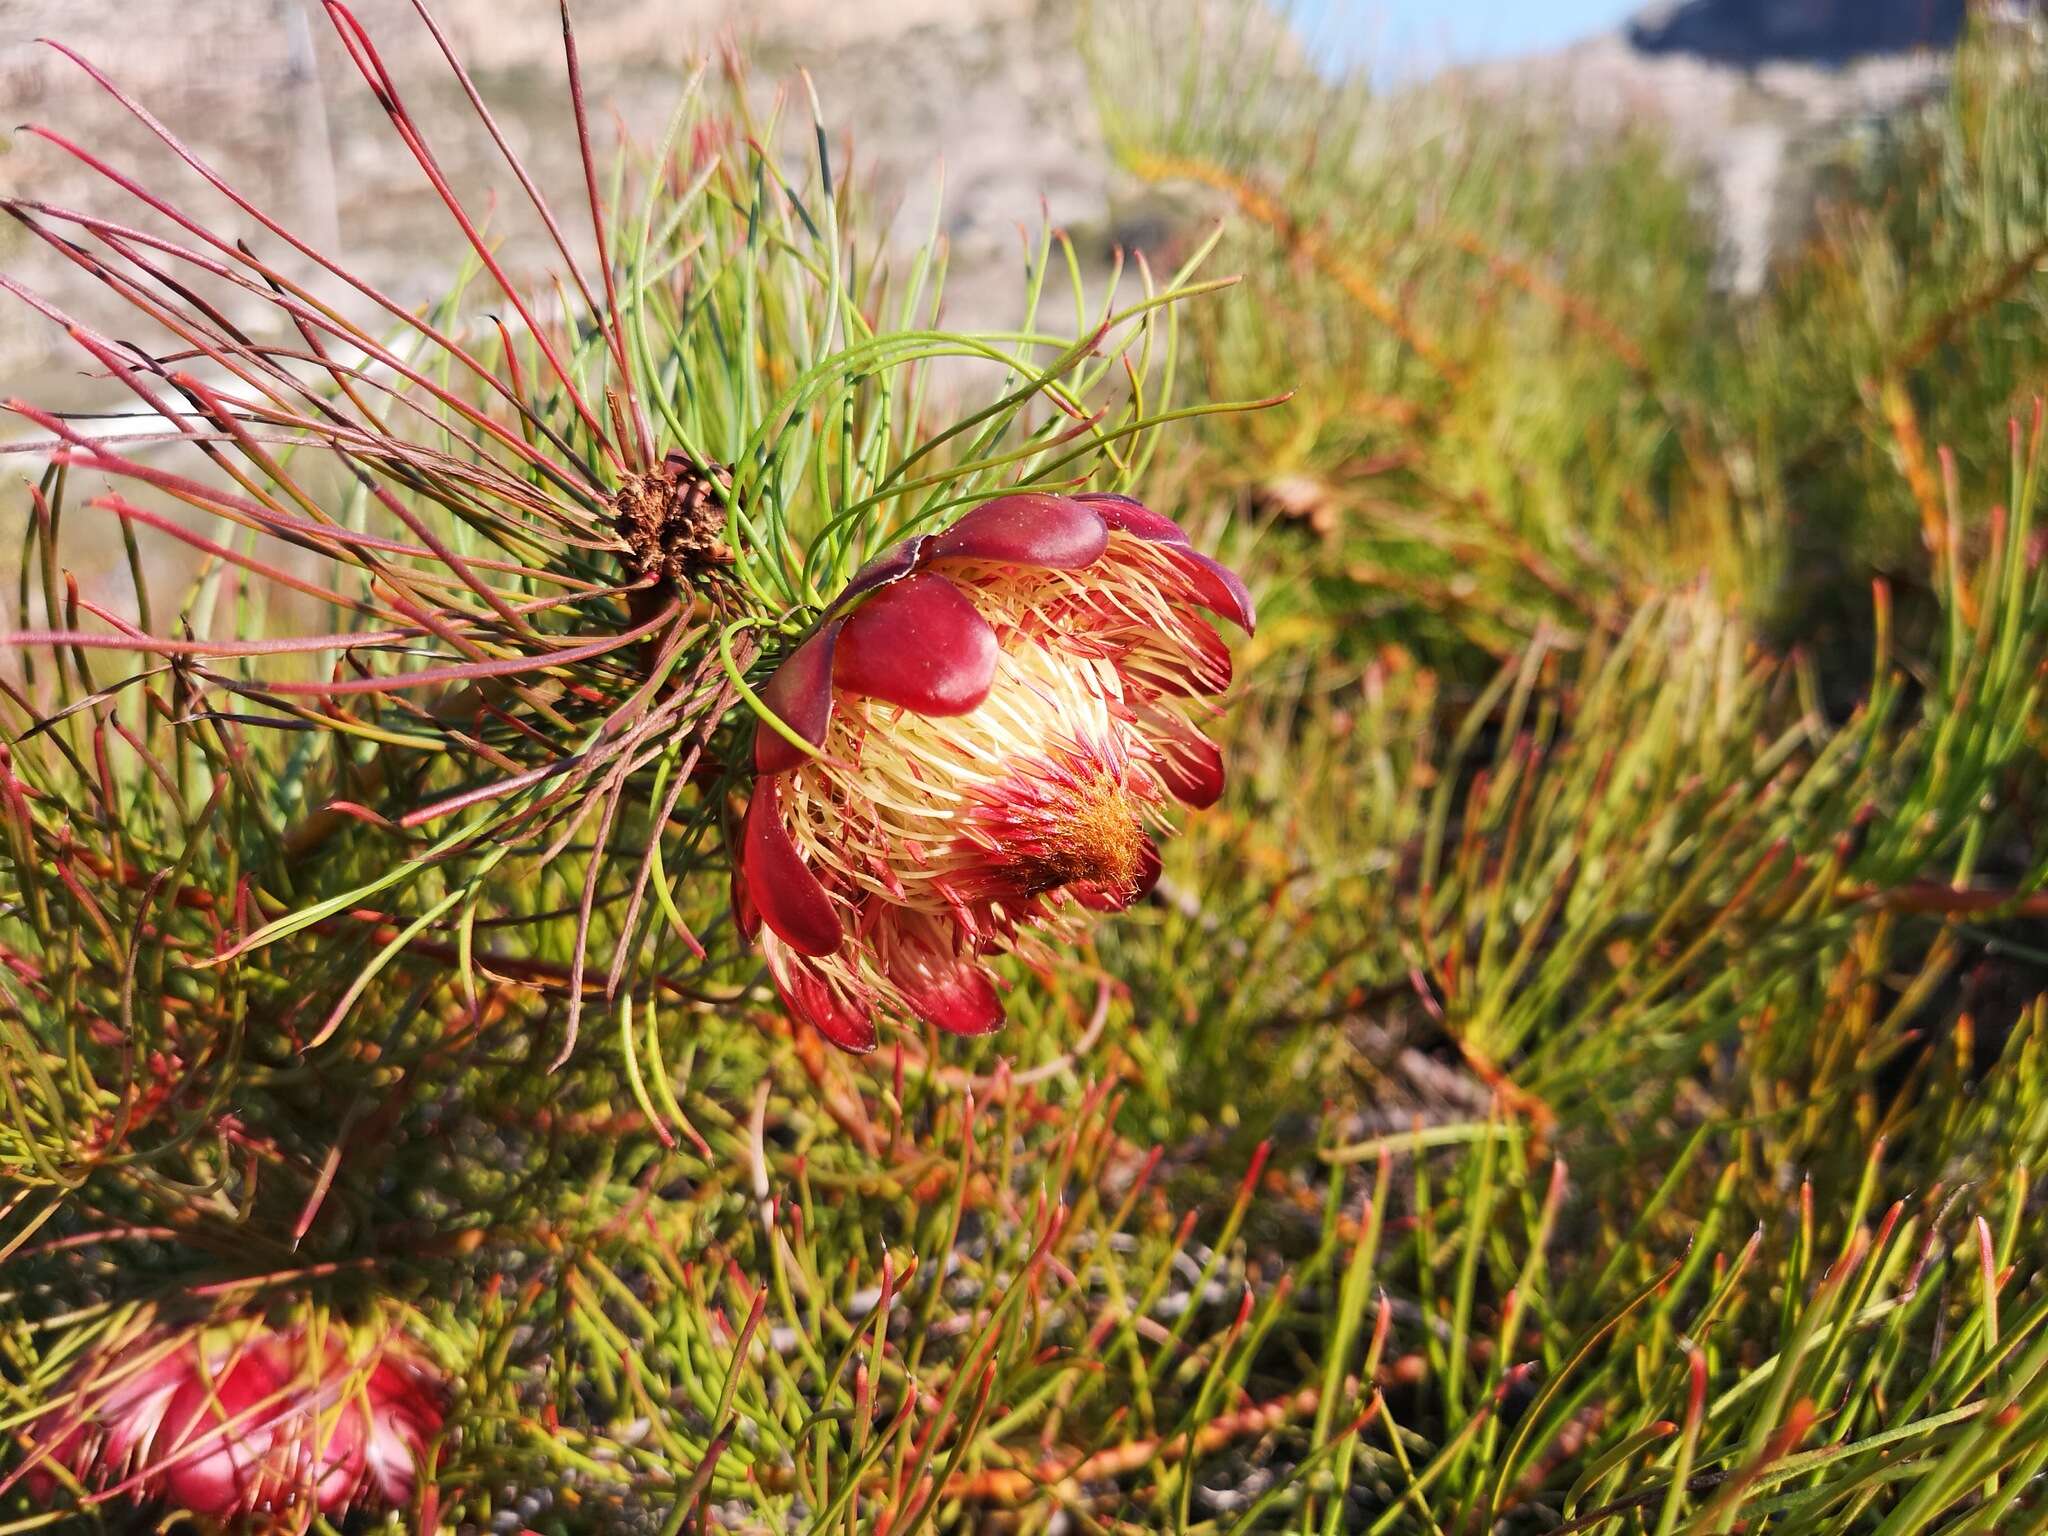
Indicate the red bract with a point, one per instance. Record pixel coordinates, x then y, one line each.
242 1419
999 716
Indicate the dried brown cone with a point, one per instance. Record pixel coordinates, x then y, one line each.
673 520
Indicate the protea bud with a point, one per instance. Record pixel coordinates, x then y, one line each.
238 1419
999 716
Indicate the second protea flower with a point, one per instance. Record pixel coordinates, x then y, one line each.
235 1419
998 718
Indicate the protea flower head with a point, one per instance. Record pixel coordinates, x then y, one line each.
239 1419
497 549
997 719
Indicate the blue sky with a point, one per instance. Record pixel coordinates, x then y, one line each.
1408 37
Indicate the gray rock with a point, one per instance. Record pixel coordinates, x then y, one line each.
1753 32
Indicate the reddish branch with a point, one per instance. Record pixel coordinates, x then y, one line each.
1310 245
1011 1486
1570 305
1930 896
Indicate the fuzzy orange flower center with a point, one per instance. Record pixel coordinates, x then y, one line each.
1097 837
